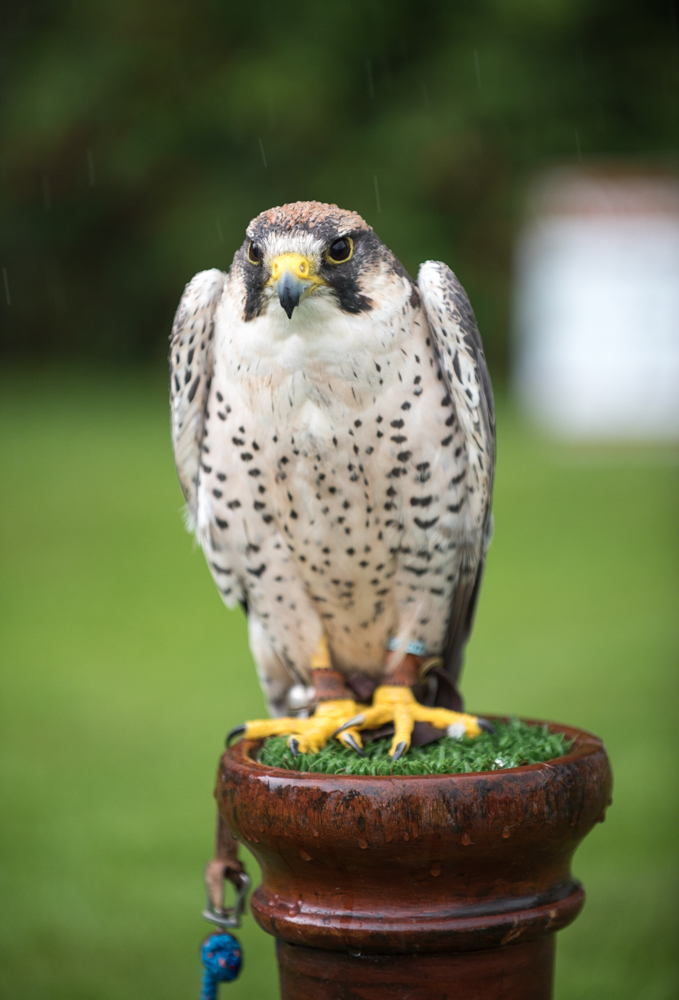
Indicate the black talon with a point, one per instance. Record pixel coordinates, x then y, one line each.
238 731
351 740
399 751
294 746
485 725
356 721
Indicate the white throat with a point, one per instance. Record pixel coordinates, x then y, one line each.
321 354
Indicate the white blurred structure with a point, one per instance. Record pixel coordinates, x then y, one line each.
596 316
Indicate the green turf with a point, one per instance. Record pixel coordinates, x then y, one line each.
512 744
122 672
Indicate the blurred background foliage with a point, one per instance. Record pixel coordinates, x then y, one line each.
139 137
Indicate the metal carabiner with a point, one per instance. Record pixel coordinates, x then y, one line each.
216 874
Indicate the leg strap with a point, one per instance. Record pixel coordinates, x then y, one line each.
225 866
406 672
329 684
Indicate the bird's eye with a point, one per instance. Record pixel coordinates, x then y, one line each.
340 251
254 253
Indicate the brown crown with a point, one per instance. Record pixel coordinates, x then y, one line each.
308 215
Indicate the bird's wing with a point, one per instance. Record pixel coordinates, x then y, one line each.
463 367
191 362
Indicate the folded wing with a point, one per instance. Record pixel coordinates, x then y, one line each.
458 346
191 365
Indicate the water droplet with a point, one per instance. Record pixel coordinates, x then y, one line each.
466 839
362 843
478 68
304 856
505 832
435 869
406 836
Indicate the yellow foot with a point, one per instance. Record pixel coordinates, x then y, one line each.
309 735
397 704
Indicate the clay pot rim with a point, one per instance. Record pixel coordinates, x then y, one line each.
585 744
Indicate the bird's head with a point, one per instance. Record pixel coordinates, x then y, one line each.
297 256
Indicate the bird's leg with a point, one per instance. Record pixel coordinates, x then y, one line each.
335 707
394 702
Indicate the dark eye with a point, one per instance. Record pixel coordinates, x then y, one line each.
340 251
254 253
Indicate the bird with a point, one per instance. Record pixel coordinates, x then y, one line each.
333 431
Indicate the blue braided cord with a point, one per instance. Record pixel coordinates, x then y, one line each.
416 647
222 957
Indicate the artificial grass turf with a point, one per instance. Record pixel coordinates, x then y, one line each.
122 672
512 744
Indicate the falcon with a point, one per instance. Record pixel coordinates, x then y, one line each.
334 435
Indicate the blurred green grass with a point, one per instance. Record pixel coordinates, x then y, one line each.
121 672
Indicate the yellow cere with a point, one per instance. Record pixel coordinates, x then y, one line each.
300 266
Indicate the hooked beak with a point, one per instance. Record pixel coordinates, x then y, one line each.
293 277
290 290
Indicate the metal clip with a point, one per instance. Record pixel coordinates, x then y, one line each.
429 664
217 913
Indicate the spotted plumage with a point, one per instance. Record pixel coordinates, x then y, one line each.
337 464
